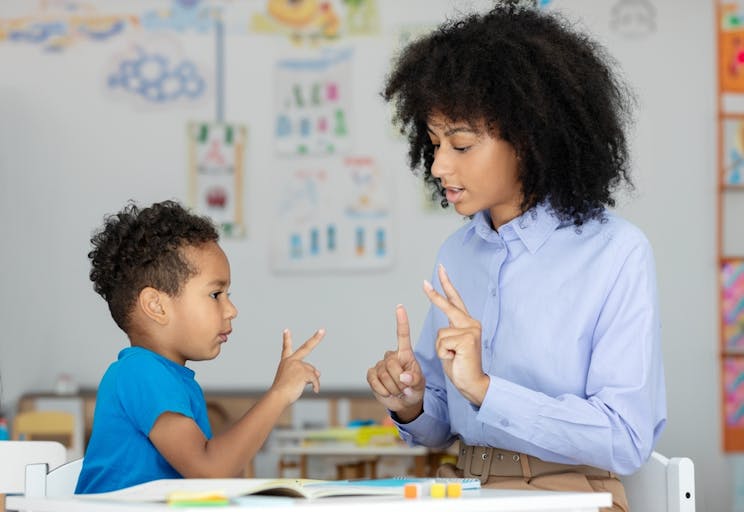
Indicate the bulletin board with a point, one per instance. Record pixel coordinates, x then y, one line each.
730 169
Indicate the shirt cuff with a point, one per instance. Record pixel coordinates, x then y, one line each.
508 406
424 430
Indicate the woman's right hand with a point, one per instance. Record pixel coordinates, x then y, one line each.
293 373
396 380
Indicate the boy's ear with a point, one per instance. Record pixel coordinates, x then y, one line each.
151 304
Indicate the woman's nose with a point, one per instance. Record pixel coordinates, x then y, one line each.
441 165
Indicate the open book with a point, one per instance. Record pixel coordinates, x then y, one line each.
225 489
215 489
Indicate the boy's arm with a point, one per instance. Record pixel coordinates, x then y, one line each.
180 440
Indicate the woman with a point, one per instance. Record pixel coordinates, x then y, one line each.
541 351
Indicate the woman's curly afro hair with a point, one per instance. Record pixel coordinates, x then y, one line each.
534 82
137 248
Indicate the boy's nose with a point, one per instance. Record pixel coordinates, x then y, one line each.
232 311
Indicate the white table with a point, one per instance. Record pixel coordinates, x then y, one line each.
484 500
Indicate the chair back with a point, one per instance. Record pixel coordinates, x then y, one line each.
662 485
16 455
59 482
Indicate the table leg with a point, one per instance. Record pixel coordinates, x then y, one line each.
419 465
303 466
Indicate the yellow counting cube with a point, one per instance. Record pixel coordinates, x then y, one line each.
437 490
454 490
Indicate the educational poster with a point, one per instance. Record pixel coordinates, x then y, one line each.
732 305
731 48
155 71
733 406
733 151
300 20
633 19
216 159
733 376
57 26
313 104
335 216
362 17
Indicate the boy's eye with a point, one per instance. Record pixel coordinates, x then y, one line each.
214 295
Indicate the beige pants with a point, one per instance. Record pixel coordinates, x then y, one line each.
555 482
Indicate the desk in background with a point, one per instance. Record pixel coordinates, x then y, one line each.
485 500
329 408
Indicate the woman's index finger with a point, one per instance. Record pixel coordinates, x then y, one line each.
402 328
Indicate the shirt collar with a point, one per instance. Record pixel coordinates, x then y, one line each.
533 227
134 350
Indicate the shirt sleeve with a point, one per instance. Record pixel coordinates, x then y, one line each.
147 377
616 424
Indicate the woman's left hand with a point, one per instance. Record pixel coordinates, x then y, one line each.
459 345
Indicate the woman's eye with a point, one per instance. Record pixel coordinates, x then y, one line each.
214 295
461 149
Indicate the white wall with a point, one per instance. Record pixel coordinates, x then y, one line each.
69 154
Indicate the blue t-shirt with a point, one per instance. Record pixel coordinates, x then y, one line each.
135 390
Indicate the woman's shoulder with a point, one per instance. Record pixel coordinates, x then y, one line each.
618 229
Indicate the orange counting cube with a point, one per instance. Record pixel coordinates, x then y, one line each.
454 490
411 491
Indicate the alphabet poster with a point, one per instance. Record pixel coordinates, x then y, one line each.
216 156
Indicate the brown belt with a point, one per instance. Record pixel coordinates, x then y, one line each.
483 461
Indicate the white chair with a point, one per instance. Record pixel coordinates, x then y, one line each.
662 485
59 482
16 455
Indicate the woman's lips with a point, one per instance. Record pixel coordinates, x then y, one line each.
453 194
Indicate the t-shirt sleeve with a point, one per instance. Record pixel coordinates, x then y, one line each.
147 388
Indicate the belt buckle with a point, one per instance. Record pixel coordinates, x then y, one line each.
483 456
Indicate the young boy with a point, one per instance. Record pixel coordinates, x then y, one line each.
166 282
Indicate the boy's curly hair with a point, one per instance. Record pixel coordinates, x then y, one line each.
137 248
534 82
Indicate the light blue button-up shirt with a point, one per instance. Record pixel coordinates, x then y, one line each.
570 340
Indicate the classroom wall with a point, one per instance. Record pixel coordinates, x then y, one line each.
71 152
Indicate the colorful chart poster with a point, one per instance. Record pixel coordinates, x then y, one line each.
331 217
216 156
731 48
732 304
733 378
313 102
733 151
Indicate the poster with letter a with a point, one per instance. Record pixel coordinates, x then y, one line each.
216 156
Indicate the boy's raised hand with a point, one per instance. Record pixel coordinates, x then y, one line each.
293 373
459 345
396 380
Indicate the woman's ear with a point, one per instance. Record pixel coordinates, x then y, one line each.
151 304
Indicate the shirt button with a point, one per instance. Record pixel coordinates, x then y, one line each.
494 291
504 422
